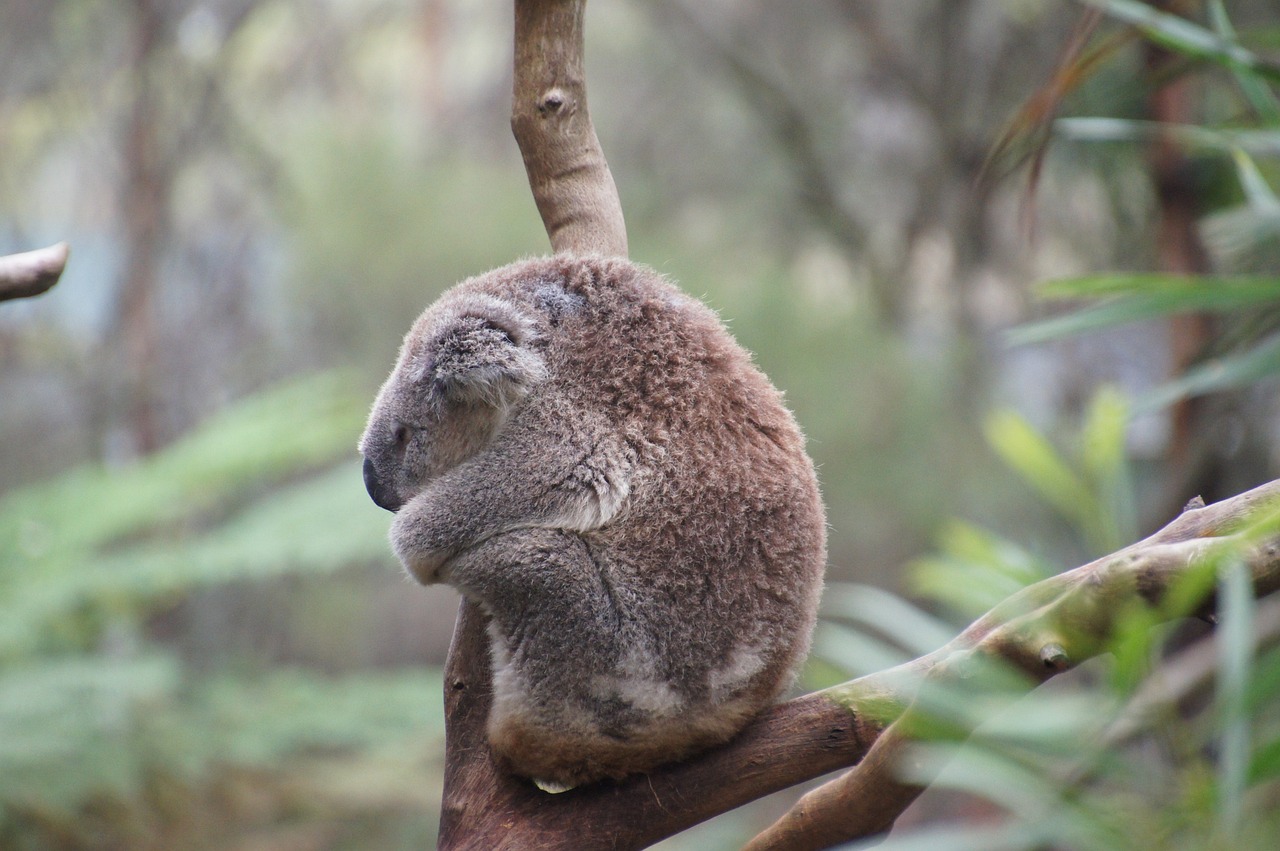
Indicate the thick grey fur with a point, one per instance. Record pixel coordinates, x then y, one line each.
585 452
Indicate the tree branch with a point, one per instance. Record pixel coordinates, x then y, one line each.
1044 629
32 272
571 181
1047 628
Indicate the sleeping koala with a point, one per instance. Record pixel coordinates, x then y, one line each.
587 454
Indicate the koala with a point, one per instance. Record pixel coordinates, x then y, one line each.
587 454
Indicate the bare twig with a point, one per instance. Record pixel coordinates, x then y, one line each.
32 272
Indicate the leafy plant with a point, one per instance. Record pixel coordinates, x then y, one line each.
1120 757
104 724
1244 228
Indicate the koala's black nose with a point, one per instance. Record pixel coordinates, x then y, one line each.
382 496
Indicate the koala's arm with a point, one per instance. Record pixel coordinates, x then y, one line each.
542 472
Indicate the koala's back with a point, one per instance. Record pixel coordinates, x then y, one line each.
711 565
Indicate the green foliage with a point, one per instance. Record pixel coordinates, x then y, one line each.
1189 39
221 504
1072 765
1244 231
1068 769
98 714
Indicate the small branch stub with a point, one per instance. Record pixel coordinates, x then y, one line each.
32 272
1055 657
551 102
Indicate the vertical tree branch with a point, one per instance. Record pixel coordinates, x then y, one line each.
571 181
581 211
145 218
1179 249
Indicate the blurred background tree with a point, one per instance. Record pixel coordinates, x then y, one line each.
202 632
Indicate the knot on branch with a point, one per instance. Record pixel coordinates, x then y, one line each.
1055 657
552 101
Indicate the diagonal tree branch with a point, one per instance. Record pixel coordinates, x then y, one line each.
32 272
1047 628
1043 630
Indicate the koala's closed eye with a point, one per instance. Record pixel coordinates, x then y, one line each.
401 434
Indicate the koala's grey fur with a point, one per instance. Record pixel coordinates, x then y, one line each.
586 453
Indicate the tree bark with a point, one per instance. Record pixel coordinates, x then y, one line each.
571 181
32 272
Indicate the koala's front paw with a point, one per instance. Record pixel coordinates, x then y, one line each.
418 550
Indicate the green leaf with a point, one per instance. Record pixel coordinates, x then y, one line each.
1264 142
1260 362
1035 801
303 424
1039 464
1229 291
1102 455
1252 85
853 651
1264 686
1265 763
1257 191
1135 298
910 627
317 525
1184 36
1235 653
973 570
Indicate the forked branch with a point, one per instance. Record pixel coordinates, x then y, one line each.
32 272
1043 630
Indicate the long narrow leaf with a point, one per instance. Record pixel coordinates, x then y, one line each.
1257 191
1034 458
1244 288
1254 88
1184 36
1265 143
1235 652
1218 374
1167 296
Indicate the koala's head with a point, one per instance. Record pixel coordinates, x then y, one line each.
468 361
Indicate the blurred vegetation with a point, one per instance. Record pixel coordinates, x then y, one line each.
203 638
115 737
1137 749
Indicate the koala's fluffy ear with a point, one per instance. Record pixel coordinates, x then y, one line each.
483 355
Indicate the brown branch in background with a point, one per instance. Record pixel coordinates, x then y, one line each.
571 181
1179 251
32 272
